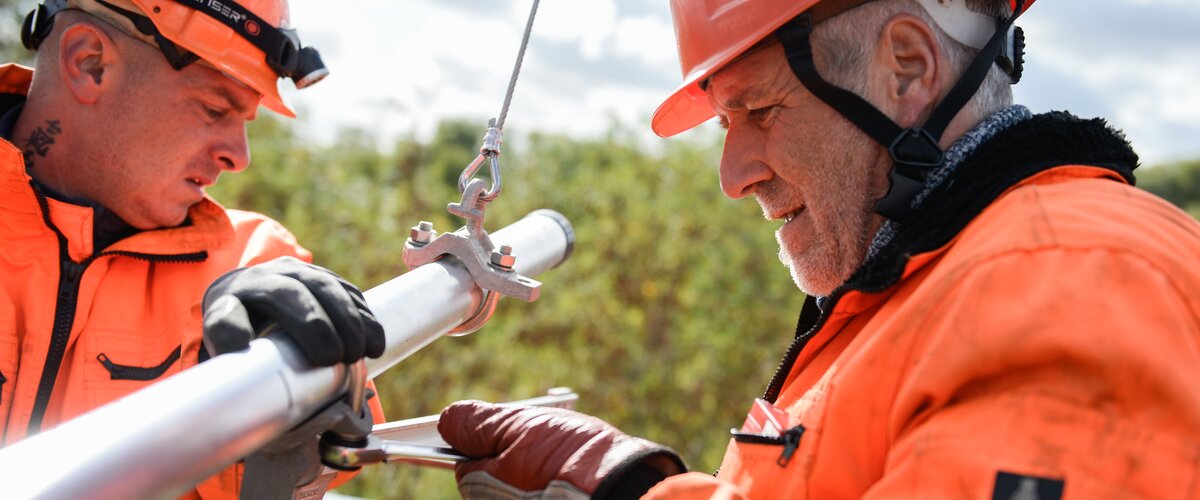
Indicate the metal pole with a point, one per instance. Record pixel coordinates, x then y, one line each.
162 440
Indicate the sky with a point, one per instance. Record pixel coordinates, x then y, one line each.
400 67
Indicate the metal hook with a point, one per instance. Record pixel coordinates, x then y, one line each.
490 150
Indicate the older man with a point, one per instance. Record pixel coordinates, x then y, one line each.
994 311
108 241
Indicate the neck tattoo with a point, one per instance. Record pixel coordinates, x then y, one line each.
37 145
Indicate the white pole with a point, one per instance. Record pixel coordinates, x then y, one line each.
160 441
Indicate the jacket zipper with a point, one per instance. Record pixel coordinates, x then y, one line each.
69 280
790 439
64 316
803 333
809 326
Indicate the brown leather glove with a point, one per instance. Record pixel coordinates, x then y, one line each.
535 452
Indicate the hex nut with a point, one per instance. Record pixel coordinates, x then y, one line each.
504 260
422 233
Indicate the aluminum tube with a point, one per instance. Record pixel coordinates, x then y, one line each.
162 440
159 441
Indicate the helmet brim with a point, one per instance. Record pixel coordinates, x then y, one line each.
684 109
688 105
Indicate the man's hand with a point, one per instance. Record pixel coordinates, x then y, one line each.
324 315
535 452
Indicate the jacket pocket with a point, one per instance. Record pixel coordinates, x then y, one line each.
754 460
126 372
784 461
788 442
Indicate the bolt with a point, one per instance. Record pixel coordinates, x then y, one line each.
503 258
422 233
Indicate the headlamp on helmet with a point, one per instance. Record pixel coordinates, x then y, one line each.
169 25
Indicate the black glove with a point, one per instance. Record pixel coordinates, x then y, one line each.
324 315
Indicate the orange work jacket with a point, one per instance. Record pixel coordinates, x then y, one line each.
80 327
1050 347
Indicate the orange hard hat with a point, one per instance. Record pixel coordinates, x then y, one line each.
248 40
711 33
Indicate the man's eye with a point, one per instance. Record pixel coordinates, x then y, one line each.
213 113
763 115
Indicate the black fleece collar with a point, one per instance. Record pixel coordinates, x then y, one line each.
1011 156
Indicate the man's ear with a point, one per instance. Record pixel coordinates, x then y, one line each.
909 58
87 56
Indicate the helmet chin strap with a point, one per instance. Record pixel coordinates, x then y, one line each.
915 151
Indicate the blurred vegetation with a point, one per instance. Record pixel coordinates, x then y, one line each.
669 318
1178 183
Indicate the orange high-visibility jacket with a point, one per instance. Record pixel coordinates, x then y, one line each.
81 331
1051 347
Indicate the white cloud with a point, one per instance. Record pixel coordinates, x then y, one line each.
399 66
588 22
1141 84
392 75
646 38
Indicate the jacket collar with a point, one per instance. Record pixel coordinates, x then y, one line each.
209 227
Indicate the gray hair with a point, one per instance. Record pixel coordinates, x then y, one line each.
847 51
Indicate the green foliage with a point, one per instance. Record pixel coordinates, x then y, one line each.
1178 183
668 319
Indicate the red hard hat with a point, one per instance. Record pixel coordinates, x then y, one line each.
710 34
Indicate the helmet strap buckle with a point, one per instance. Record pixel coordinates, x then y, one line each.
795 36
915 152
1012 56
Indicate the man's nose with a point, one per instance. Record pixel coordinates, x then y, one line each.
233 152
742 166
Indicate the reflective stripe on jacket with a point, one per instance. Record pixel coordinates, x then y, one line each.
1052 346
77 334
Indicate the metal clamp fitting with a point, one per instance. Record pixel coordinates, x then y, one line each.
492 269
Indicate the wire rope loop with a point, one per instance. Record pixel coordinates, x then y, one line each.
495 131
